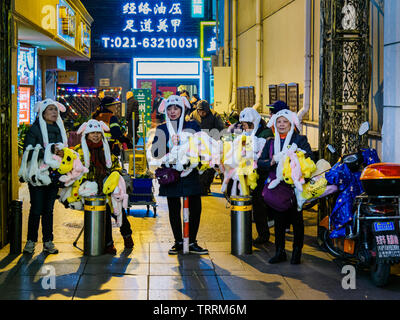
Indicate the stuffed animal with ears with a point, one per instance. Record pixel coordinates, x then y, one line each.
88 189
297 167
38 172
111 182
70 196
239 162
94 126
23 172
291 173
71 167
119 200
51 159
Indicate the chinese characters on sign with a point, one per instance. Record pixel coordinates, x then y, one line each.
24 102
143 96
208 34
154 24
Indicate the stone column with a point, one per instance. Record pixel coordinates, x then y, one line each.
391 97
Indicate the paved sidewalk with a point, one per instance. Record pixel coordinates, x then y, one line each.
148 273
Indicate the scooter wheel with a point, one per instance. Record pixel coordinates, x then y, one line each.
380 273
329 245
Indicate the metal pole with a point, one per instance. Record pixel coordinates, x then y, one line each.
185 225
16 227
94 224
134 142
241 226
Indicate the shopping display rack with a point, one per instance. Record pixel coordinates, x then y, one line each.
141 192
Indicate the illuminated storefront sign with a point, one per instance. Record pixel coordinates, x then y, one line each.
197 8
208 36
153 28
173 68
24 104
84 38
26 66
66 23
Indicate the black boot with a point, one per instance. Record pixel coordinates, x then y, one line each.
280 256
296 256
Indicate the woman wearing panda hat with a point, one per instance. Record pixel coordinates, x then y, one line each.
48 128
284 123
167 135
95 154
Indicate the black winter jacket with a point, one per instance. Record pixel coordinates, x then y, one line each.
34 137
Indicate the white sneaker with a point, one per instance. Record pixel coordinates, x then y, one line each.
29 247
49 247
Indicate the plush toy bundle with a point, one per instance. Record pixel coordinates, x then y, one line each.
38 172
115 190
239 162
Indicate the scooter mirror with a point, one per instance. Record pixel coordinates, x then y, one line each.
363 128
331 148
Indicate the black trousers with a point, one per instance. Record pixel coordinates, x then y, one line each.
42 204
125 228
174 208
282 220
260 212
206 179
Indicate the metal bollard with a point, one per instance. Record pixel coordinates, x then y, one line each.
94 226
241 225
15 231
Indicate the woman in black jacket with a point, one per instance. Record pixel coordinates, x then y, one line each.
48 128
167 135
284 123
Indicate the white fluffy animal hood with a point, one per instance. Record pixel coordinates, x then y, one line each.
94 126
250 115
294 121
182 102
39 108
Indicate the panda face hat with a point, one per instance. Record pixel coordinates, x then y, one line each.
40 107
94 126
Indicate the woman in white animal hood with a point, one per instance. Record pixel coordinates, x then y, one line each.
166 136
48 128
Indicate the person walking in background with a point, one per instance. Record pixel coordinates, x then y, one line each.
156 103
132 107
107 112
47 128
211 122
95 154
166 136
285 135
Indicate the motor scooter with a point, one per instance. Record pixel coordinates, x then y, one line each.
364 225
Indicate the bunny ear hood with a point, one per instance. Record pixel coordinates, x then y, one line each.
181 102
39 108
250 115
94 126
294 121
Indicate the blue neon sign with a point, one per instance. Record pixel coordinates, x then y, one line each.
197 8
153 28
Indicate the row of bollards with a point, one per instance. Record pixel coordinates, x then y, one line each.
94 226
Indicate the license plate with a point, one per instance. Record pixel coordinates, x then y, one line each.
383 226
